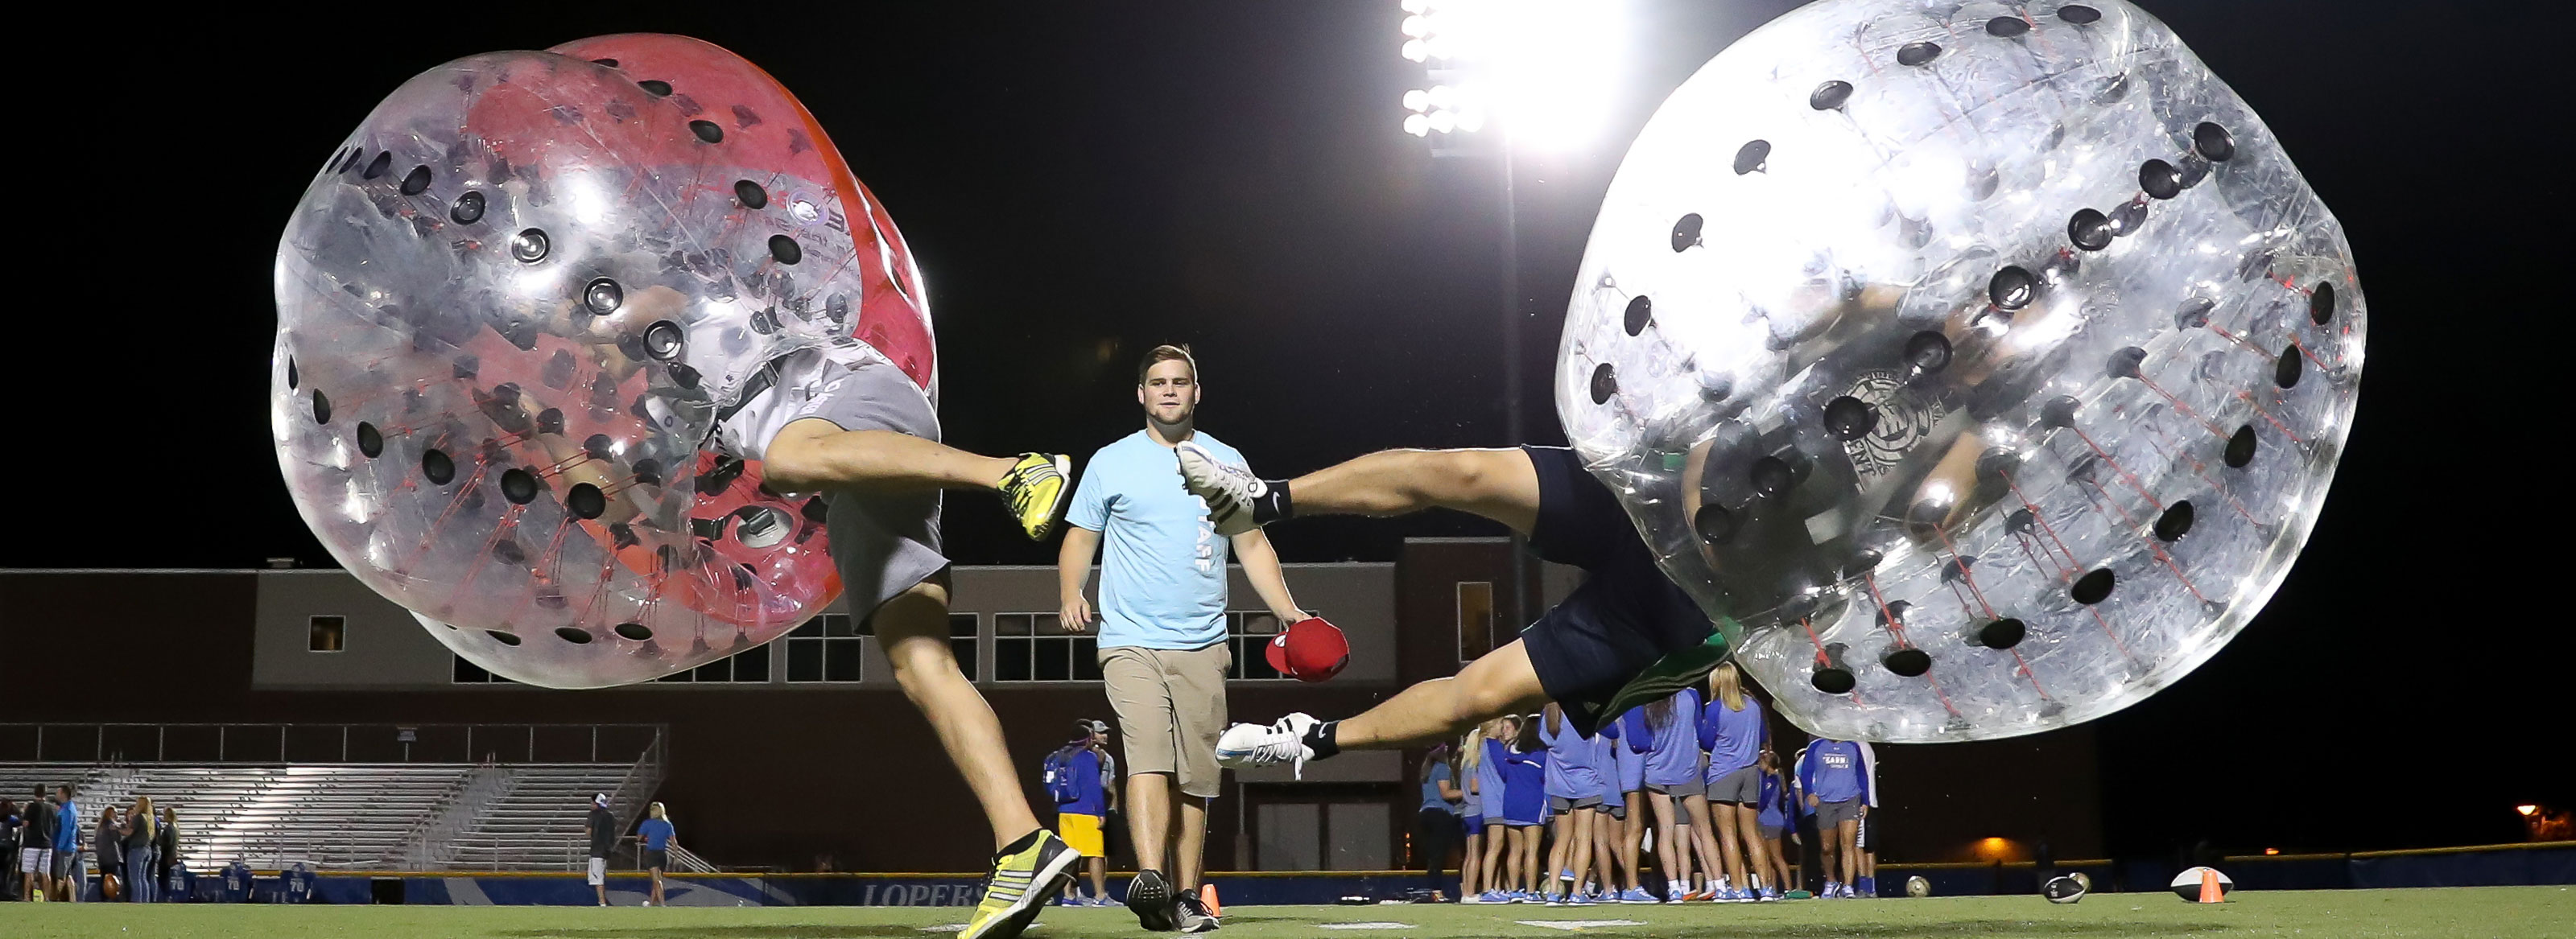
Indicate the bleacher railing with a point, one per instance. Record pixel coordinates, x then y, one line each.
298 742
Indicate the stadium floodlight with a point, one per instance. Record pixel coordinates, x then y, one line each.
2527 810
1540 69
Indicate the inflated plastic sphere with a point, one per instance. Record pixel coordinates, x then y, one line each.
1980 366
512 308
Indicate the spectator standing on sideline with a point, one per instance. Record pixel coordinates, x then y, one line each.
165 852
38 825
1837 788
1733 731
1163 651
1623 780
1868 840
1811 851
1478 876
1773 821
1524 765
67 830
1573 787
11 828
1083 780
657 833
109 842
1664 732
138 831
603 839
1436 826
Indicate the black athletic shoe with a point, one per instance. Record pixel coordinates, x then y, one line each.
1193 915
1149 896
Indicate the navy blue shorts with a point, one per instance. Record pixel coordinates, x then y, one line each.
1625 615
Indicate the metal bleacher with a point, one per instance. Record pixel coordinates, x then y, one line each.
491 814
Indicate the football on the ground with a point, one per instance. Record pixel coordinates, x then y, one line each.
1916 886
2063 890
2187 884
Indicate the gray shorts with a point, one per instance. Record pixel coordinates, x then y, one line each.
66 863
883 542
1563 804
1684 789
1771 832
1743 786
1830 814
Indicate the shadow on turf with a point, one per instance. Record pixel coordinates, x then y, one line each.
780 931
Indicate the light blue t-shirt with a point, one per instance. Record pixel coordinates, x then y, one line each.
1162 566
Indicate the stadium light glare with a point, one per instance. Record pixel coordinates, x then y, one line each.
2527 810
1417 100
1418 125
2271 850
1543 66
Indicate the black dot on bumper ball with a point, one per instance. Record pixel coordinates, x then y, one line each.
585 501
785 249
1917 53
467 210
437 467
662 340
2240 448
611 63
321 407
1847 417
291 376
377 167
1908 662
2090 230
1604 383
529 246
637 632
2004 633
1751 156
2012 288
750 194
2007 26
2124 363
1641 311
2194 313
416 182
1928 351
2059 411
603 296
1714 524
370 442
1829 95
655 87
507 639
2020 522
2078 14
2213 142
575 635
2160 179
1831 680
519 486
1771 476
1686 232
2175 522
2286 369
2321 304
507 551
2092 588
707 131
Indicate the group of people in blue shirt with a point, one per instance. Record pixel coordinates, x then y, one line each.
1693 775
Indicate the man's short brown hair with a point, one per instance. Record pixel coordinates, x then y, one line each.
1167 353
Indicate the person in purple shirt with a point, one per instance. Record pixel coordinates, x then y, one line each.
1524 764
1773 820
1485 792
1837 788
1731 728
1574 793
1665 733
1623 774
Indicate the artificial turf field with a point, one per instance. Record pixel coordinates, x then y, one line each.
2449 913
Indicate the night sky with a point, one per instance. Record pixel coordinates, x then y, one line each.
1082 181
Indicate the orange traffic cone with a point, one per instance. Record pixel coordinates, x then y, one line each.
2209 892
1207 897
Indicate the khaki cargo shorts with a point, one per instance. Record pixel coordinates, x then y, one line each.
1171 708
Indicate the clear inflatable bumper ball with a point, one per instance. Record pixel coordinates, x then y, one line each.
512 308
1980 367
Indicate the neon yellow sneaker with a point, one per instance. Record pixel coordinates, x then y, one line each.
1019 886
1037 489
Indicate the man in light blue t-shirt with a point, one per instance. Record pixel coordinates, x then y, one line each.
1163 653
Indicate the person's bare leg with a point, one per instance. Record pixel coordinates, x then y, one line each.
912 629
1497 484
1633 831
1847 838
1186 860
1497 844
1579 849
1496 683
1471 866
1729 851
1531 875
814 453
1704 838
1672 849
1757 860
1832 856
1562 825
1149 820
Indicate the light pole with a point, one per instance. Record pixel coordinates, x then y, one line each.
1538 69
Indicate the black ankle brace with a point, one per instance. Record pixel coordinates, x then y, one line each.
1272 505
1320 739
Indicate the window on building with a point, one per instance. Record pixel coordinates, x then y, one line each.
324 633
828 648
1247 633
1036 647
962 629
468 673
1475 619
749 666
